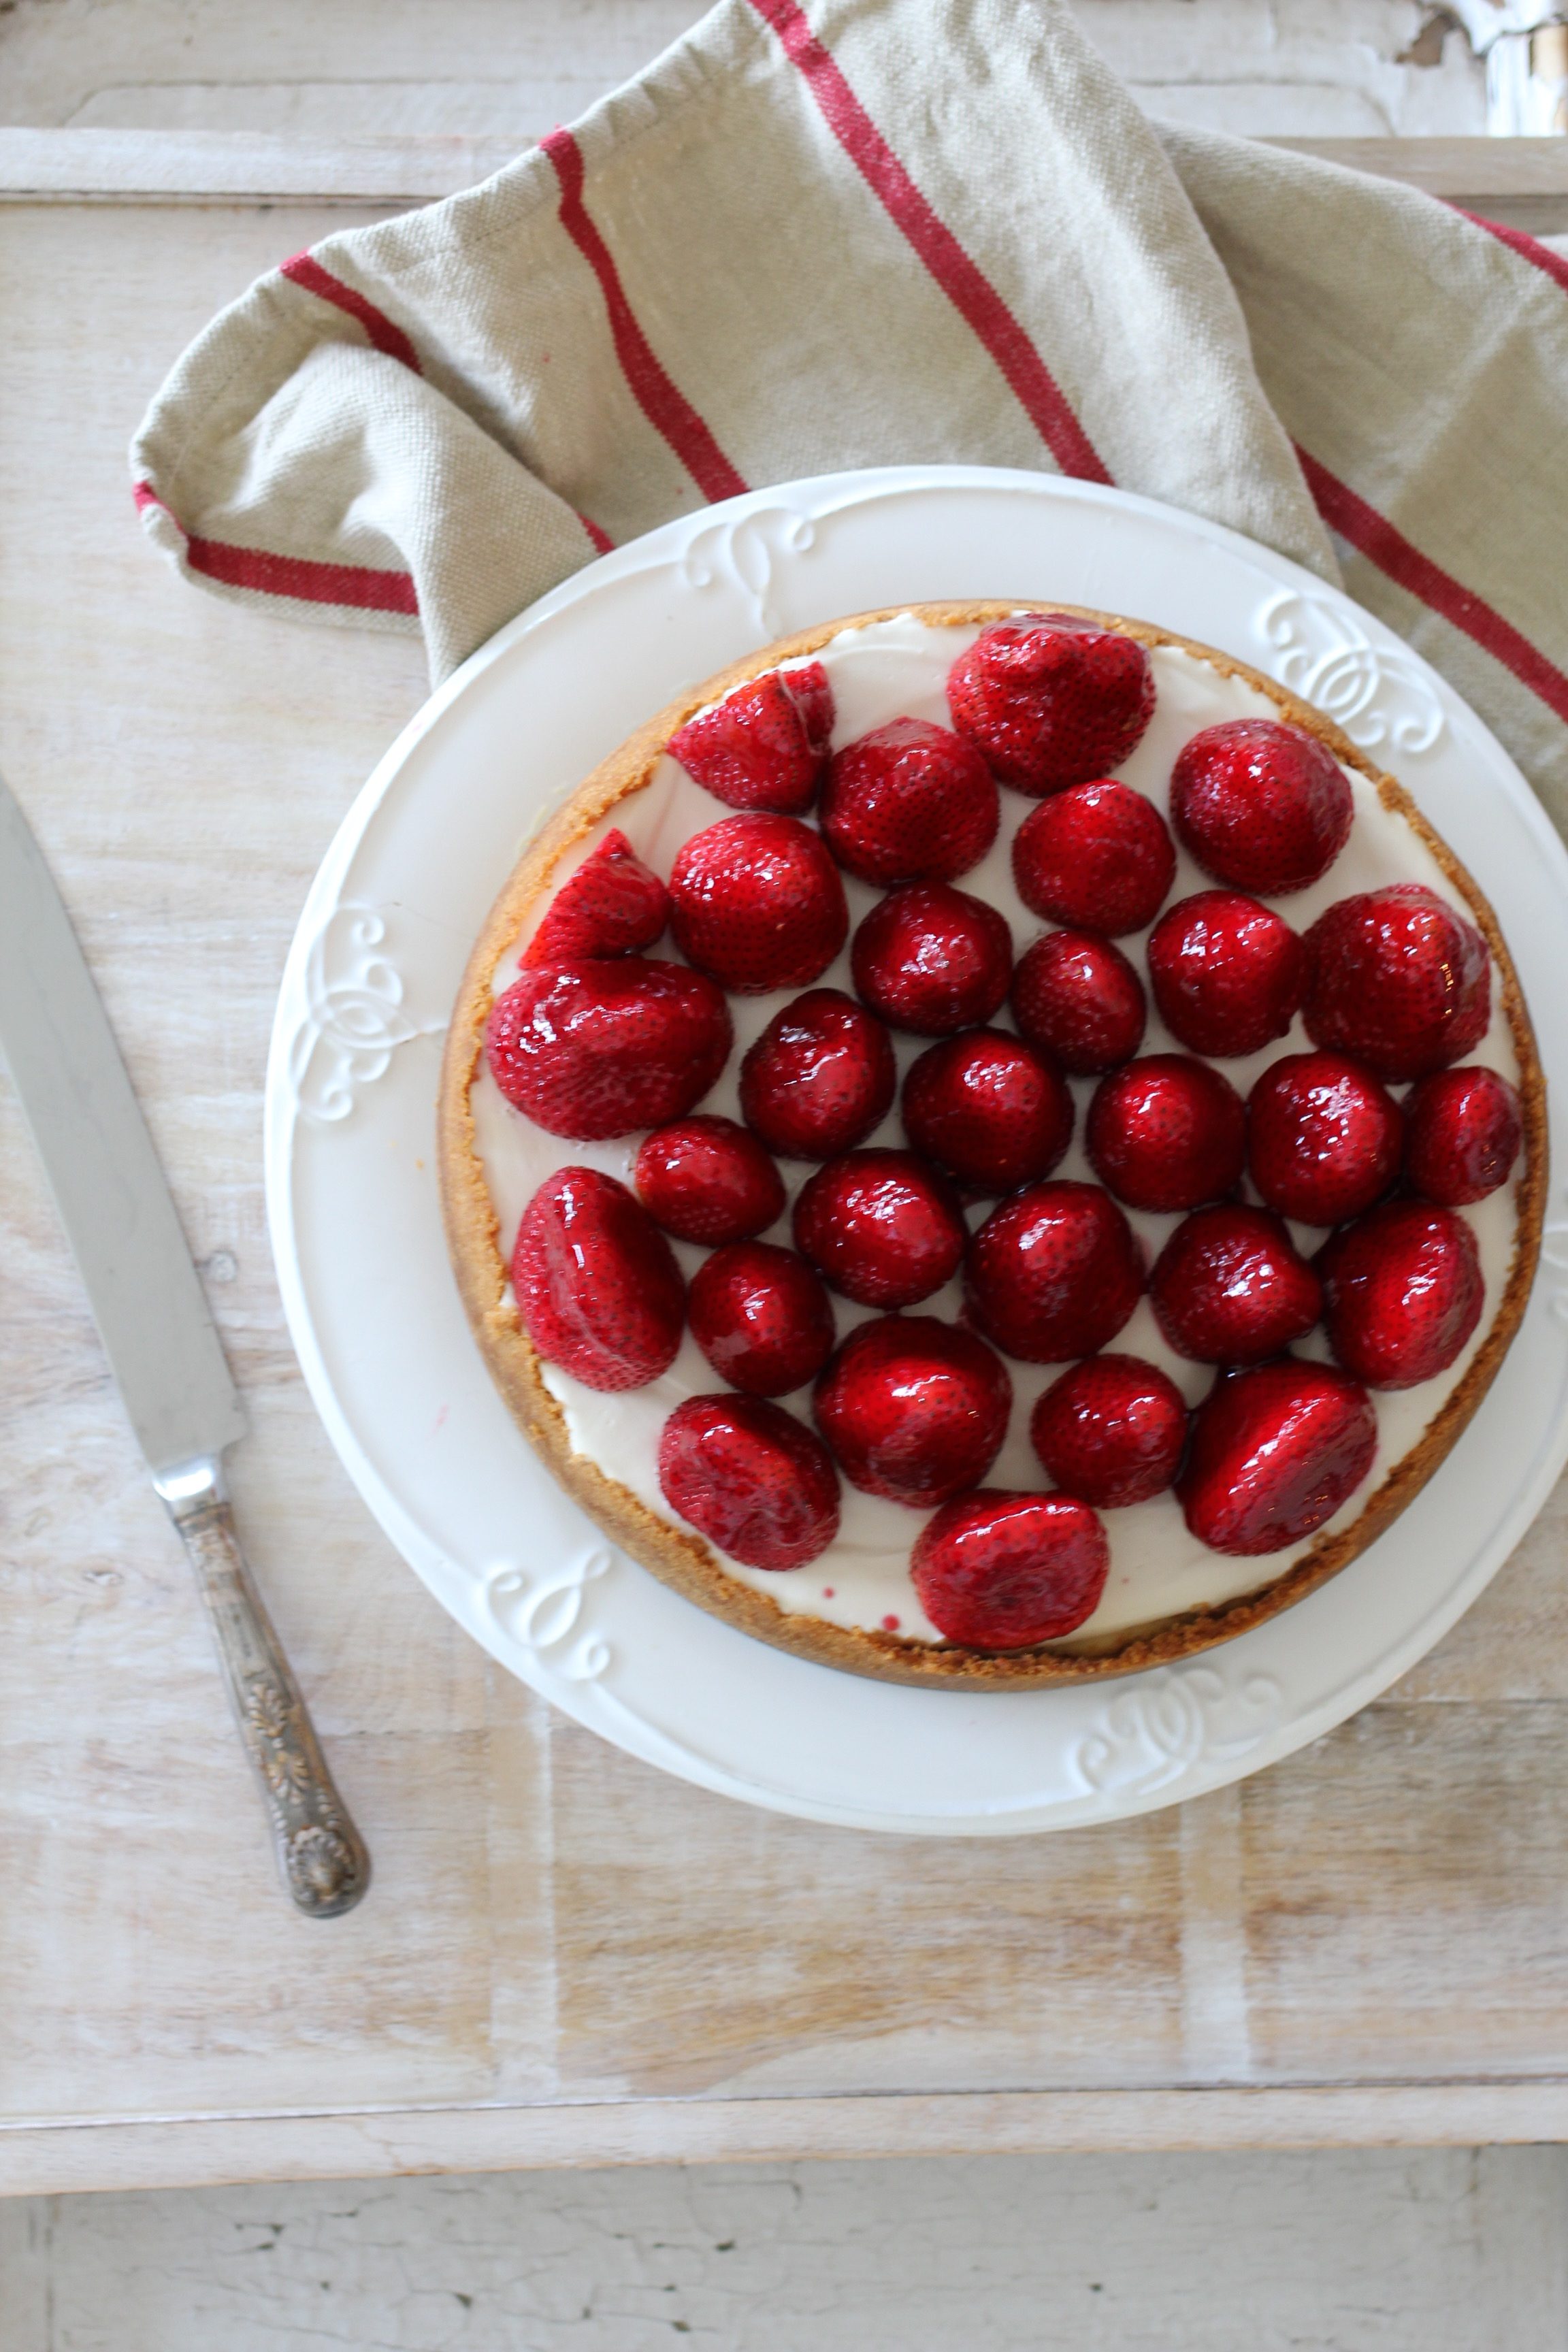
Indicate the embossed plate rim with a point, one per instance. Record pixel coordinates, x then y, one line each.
1061 1759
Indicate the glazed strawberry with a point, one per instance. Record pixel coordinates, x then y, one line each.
600 1046
612 905
1231 1288
762 1317
1111 1431
1096 857
881 1227
750 1477
597 1286
914 1410
1261 805
1396 978
765 746
1325 1137
1276 1452
1054 1273
1228 973
756 902
820 1077
705 1179
910 802
1167 1132
989 1110
1052 699
1077 999
1462 1135
933 959
1403 1293
998 1570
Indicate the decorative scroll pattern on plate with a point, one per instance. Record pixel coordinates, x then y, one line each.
354 1018
744 552
1178 1720
548 1615
1380 695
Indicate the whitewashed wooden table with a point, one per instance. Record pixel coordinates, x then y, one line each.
565 1959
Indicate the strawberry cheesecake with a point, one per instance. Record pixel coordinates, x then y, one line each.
990 1147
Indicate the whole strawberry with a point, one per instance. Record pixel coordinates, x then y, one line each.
612 905
820 1077
1402 1292
881 1227
1231 1288
762 1317
601 1046
1095 857
1399 979
597 1283
1261 805
1276 1452
1052 699
1167 1132
989 1109
1325 1137
1077 999
1053 1273
756 902
1228 973
765 745
753 1479
1462 1135
933 959
913 1410
1111 1431
705 1179
1000 1570
910 802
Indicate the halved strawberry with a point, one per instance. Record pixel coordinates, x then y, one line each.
614 905
1000 1570
597 1286
765 745
750 1477
598 1048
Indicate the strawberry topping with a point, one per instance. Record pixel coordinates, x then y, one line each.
1078 999
753 1479
1396 978
705 1179
762 1317
1228 973
1167 1132
933 959
989 1109
599 1047
1111 1431
1403 1293
1261 805
914 1410
765 745
820 1077
1323 1138
614 905
1276 1452
910 802
597 1286
996 1570
1231 1288
881 1227
1052 699
756 902
1095 857
1053 1273
1462 1135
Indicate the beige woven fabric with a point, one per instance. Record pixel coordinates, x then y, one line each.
882 231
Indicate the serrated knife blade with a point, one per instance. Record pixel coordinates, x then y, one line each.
158 1333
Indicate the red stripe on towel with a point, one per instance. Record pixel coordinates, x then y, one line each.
1528 248
1344 511
966 285
301 577
666 408
305 271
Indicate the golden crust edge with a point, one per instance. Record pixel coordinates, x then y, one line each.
684 1561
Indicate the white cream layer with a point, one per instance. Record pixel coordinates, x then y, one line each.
894 670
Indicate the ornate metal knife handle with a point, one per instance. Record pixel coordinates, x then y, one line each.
321 1857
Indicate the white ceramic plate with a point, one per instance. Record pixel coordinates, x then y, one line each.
351 1162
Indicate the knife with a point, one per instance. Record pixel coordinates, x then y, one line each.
157 1331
